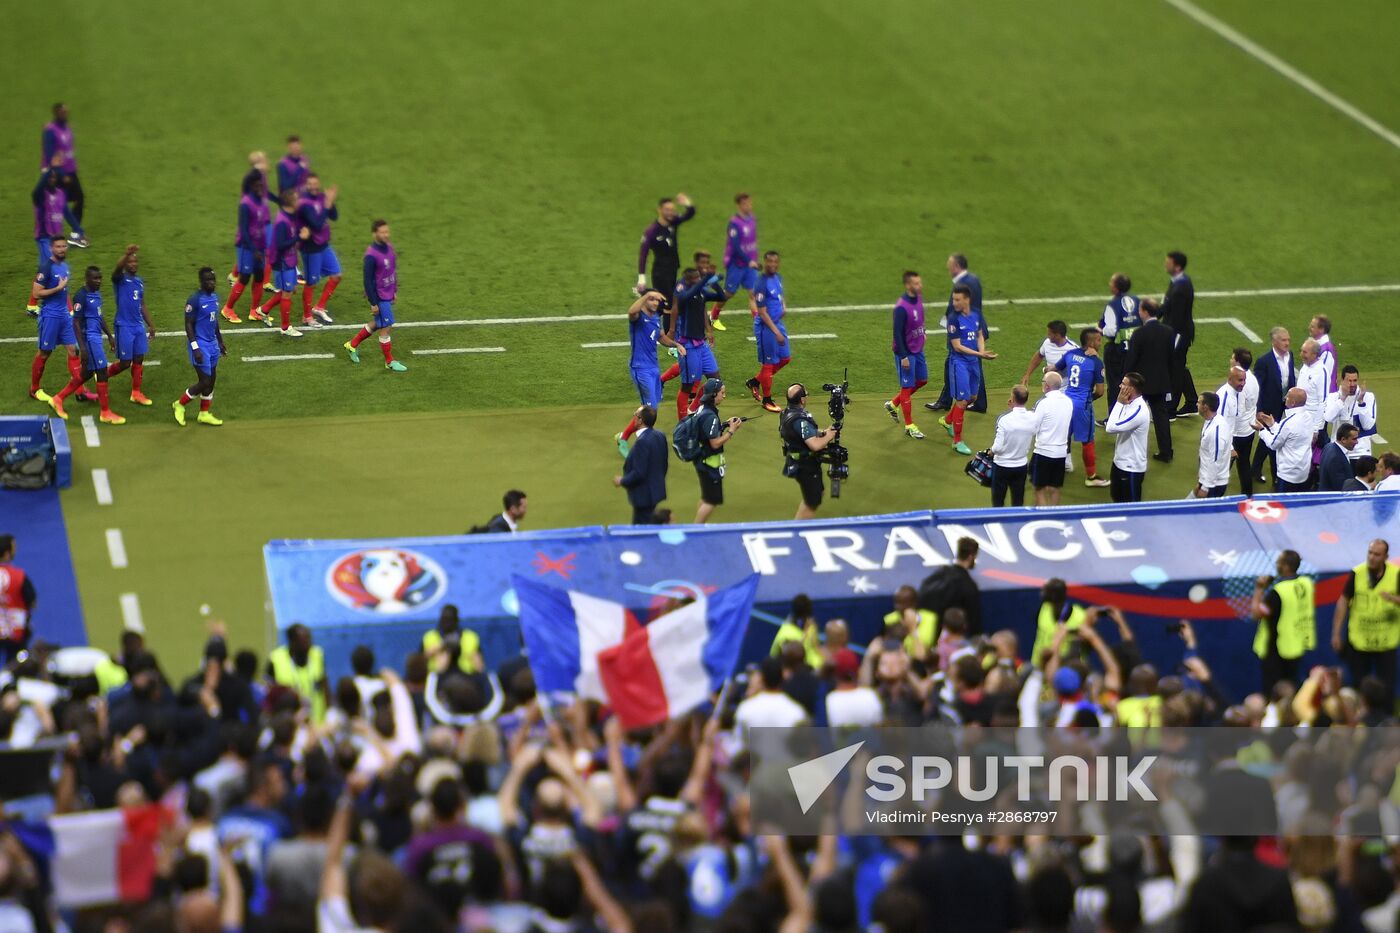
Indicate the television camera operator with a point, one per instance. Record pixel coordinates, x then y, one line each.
802 445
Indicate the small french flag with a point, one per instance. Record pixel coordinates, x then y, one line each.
647 674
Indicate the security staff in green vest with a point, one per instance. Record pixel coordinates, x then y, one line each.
801 625
1287 630
1142 707
1055 608
450 626
921 624
300 666
1371 600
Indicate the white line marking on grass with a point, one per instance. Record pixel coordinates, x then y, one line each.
151 363
606 345
1253 49
90 431
459 350
131 613
116 548
800 337
289 356
614 317
1238 325
102 486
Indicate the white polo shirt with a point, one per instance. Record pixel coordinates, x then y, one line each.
1290 439
1356 409
1052 352
1312 379
1130 423
1015 431
1215 453
1390 484
1053 413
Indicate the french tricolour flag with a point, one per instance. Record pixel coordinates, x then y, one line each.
564 632
105 856
646 674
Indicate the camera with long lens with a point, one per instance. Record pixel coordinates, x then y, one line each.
834 455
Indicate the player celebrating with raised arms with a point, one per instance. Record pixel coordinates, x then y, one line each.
644 332
381 269
1084 382
250 262
740 257
283 256
92 329
316 210
774 351
692 333
969 348
55 316
909 363
133 323
206 346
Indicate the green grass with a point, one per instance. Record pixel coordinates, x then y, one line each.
517 154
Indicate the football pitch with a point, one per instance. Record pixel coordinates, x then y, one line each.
518 152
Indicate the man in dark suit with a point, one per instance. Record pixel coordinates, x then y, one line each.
1150 355
1335 469
1275 374
959 273
1363 477
512 514
1177 308
644 470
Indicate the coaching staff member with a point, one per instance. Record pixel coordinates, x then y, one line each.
1276 373
1150 356
801 439
1011 450
1291 440
644 470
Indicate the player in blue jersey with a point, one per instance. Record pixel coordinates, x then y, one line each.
774 350
55 318
132 322
206 346
92 332
967 350
1083 372
691 329
644 333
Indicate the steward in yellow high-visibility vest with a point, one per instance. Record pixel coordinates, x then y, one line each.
1054 608
1287 628
300 666
1370 606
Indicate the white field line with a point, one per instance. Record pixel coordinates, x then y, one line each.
291 356
459 350
90 436
1096 300
752 339
151 363
1263 55
606 345
102 486
1234 322
116 548
131 613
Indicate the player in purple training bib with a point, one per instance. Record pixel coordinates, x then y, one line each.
909 363
316 210
740 257
57 144
249 243
282 246
381 268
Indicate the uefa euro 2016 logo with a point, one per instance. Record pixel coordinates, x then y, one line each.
386 581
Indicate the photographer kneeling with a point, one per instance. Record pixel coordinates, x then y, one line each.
801 441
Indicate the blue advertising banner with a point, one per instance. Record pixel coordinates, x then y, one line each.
1157 561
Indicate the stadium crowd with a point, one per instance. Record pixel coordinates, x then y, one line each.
284 796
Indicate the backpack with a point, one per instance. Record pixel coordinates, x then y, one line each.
686 439
26 468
